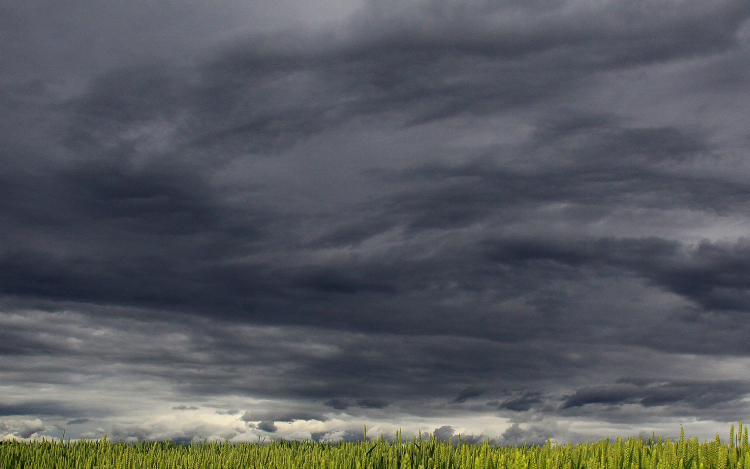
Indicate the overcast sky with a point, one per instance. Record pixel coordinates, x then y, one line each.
247 219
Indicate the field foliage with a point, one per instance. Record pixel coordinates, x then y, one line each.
419 453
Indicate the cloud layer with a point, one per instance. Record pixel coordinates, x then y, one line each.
510 220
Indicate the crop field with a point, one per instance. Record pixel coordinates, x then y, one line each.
651 453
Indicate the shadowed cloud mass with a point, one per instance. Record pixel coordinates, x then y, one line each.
502 220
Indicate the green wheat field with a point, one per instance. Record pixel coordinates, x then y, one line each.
652 453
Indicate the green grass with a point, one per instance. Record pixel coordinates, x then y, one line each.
636 453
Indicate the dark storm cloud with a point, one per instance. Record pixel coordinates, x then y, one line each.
338 404
30 428
363 377
64 41
443 433
330 282
206 357
443 64
713 275
467 394
40 408
522 403
597 166
366 403
354 436
268 94
694 394
267 427
78 421
152 213
517 436
372 403
194 201
447 433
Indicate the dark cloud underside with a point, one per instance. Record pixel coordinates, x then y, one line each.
535 211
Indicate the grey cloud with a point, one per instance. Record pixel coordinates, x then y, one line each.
420 206
78 421
23 428
444 433
164 220
727 73
316 436
522 403
519 363
190 433
327 281
365 403
353 436
695 394
595 163
372 403
710 274
184 407
468 393
338 404
181 441
74 41
30 427
602 395
533 435
261 97
267 426
43 408
276 416
714 276
439 19
131 432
